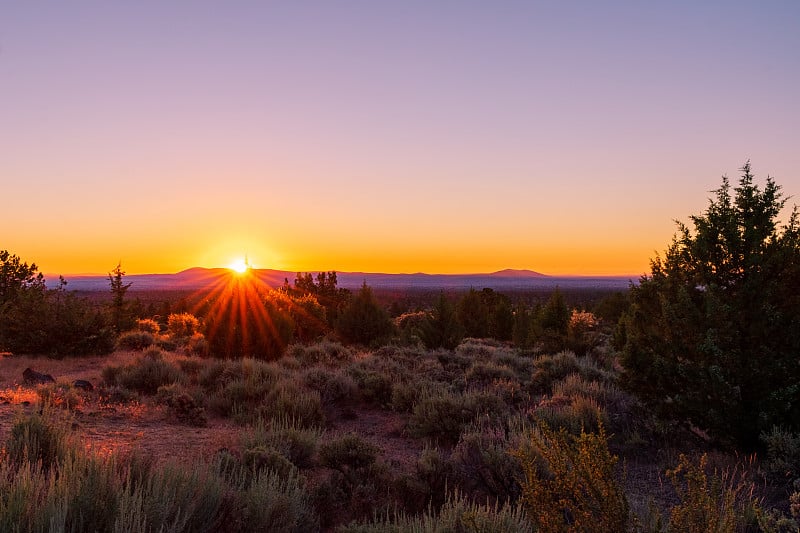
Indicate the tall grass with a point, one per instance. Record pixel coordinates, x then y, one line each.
50 482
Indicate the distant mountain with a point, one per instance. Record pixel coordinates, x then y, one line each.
200 278
514 273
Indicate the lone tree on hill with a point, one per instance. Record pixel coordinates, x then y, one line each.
119 316
712 336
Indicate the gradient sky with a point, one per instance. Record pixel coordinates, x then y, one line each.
435 136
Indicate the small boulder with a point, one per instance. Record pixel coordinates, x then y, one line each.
32 377
83 385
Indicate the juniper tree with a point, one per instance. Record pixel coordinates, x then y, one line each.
712 334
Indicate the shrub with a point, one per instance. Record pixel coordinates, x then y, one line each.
60 395
148 325
363 320
182 405
719 503
38 438
715 315
548 369
333 386
136 340
484 467
569 482
267 458
348 453
295 441
375 386
243 322
197 345
146 374
575 415
324 352
483 373
182 325
288 400
442 415
783 454
276 503
442 329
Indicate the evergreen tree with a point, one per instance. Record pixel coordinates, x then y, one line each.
442 328
363 320
121 319
474 314
712 335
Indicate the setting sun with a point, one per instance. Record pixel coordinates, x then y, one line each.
240 266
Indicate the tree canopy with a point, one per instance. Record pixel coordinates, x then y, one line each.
713 333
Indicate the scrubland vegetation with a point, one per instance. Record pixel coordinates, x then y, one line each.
673 407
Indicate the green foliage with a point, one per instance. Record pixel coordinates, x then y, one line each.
553 322
712 334
483 466
53 322
783 454
289 400
485 314
442 328
522 329
324 290
333 386
38 439
16 276
297 442
349 453
121 317
363 320
549 369
569 483
442 415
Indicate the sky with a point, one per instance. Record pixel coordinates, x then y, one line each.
415 136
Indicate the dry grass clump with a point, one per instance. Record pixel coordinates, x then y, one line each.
459 513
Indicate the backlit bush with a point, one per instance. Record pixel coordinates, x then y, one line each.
136 340
182 325
569 483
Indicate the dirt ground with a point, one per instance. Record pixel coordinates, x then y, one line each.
106 427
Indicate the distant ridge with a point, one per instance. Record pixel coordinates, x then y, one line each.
199 278
516 273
